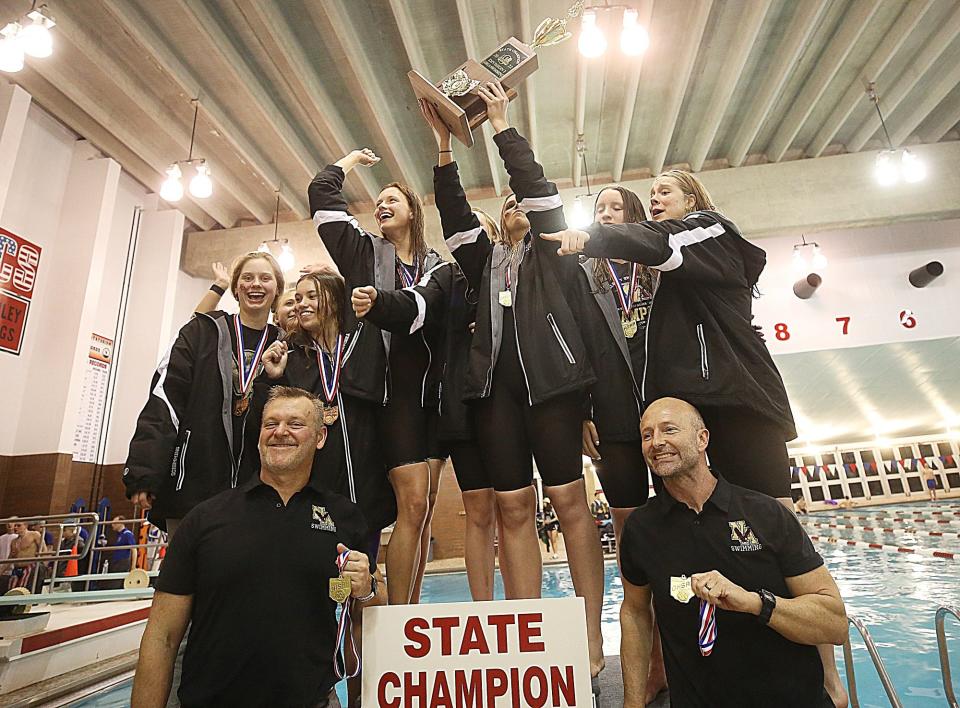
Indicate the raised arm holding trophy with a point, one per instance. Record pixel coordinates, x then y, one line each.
455 97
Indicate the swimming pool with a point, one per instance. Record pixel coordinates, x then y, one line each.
895 594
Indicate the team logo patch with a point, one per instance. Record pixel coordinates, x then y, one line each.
743 537
322 520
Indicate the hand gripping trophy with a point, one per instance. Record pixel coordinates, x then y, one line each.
455 98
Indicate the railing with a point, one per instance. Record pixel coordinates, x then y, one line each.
941 616
55 557
877 663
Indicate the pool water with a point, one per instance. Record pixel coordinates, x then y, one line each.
894 594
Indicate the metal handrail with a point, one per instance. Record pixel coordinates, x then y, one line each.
941 616
877 663
91 520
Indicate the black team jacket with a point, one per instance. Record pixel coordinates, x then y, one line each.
700 344
182 448
552 352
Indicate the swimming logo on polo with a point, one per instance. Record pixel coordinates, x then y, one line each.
743 536
322 520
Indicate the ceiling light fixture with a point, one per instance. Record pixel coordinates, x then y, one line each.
201 186
35 38
29 36
634 38
893 164
277 247
808 257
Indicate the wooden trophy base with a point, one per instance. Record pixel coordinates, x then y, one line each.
510 64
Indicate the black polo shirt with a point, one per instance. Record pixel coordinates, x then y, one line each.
263 624
754 541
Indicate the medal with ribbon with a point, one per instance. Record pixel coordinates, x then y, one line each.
506 295
708 628
406 279
330 365
245 372
340 593
625 297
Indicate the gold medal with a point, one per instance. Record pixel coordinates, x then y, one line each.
506 298
240 407
339 589
680 589
629 328
330 414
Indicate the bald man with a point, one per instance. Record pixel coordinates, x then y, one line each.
739 551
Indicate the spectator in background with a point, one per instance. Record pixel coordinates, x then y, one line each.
6 541
27 544
71 544
119 560
551 527
929 477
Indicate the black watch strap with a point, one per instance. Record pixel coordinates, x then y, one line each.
769 602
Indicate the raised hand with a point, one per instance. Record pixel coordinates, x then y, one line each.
362 299
441 132
275 360
495 98
363 156
221 276
571 241
321 268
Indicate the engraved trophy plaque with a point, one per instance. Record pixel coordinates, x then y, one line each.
456 98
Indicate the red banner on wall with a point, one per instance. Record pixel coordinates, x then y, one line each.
19 260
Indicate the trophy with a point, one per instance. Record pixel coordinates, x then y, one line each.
455 97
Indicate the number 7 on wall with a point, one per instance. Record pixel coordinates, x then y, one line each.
846 324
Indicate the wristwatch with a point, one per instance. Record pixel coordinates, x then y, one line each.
373 590
769 602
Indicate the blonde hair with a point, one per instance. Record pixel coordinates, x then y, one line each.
489 225
691 187
252 256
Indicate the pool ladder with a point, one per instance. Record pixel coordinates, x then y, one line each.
877 662
941 616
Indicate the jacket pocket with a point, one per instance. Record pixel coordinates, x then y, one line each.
182 471
563 344
704 357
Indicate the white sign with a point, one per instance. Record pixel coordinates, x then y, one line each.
513 653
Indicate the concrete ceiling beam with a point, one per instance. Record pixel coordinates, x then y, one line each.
373 105
268 19
888 47
629 105
950 112
892 96
529 91
828 64
685 58
408 35
747 31
937 87
134 23
489 147
74 32
778 71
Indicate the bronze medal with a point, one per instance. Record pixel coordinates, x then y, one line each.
330 414
241 405
339 589
629 328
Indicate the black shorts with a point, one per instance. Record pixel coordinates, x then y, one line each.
623 473
510 430
406 431
468 466
747 449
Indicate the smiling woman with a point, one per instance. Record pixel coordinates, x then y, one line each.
187 401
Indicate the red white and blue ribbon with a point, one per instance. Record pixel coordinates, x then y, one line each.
624 297
407 280
343 633
330 366
247 374
708 627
